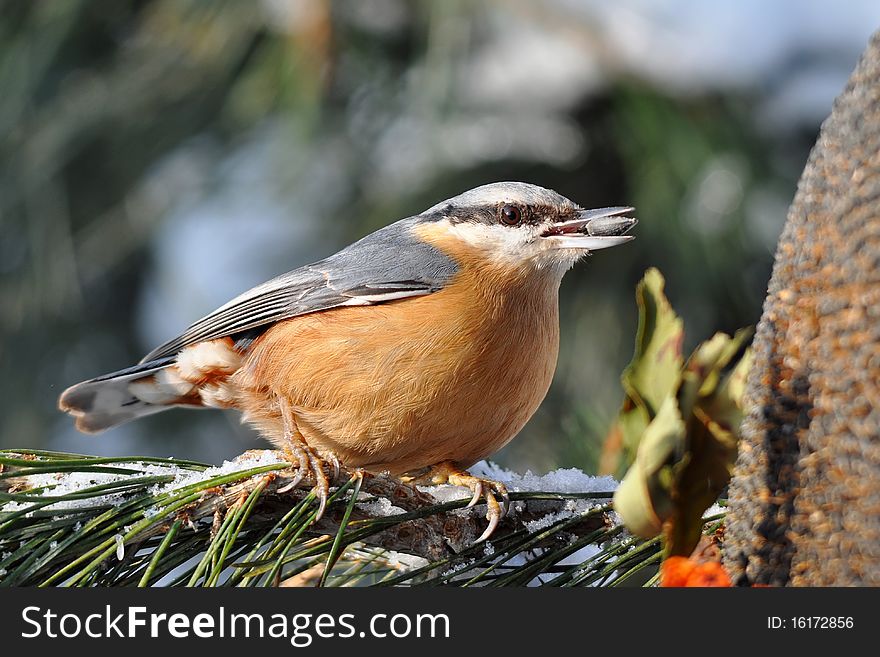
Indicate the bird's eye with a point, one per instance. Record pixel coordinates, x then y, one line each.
510 215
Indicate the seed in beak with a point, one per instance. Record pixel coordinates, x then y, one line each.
602 222
608 226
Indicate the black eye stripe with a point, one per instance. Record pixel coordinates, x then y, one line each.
491 215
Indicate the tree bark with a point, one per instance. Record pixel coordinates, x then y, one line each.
805 496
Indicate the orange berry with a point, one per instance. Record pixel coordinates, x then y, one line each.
675 571
708 574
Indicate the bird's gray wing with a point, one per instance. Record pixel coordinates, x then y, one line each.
387 265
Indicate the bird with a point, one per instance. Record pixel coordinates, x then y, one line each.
419 350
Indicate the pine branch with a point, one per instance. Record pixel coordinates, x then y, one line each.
426 529
75 520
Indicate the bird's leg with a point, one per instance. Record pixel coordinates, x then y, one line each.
446 472
300 453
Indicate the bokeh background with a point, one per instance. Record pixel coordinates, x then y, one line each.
159 157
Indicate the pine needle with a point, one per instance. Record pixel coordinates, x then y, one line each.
73 520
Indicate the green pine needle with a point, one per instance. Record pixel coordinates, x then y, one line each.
74 520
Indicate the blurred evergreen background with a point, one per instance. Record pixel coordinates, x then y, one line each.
158 157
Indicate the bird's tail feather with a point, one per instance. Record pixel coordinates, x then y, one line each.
119 397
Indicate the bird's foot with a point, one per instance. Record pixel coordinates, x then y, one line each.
492 491
308 461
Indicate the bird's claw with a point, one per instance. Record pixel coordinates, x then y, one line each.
447 472
308 460
478 493
489 490
336 467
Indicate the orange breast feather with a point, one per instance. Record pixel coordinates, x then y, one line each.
399 386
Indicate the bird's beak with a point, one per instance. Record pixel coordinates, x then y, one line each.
592 229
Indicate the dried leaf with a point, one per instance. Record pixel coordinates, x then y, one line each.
656 364
679 423
644 498
652 374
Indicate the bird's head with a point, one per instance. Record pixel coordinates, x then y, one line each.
522 225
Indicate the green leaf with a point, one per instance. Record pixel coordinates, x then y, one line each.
655 369
712 400
725 406
678 426
706 366
644 498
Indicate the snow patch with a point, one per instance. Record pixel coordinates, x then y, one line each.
248 461
380 507
405 561
562 480
56 484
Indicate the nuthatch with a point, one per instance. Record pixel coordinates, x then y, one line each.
420 349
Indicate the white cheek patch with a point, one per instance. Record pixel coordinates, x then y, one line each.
505 245
206 358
